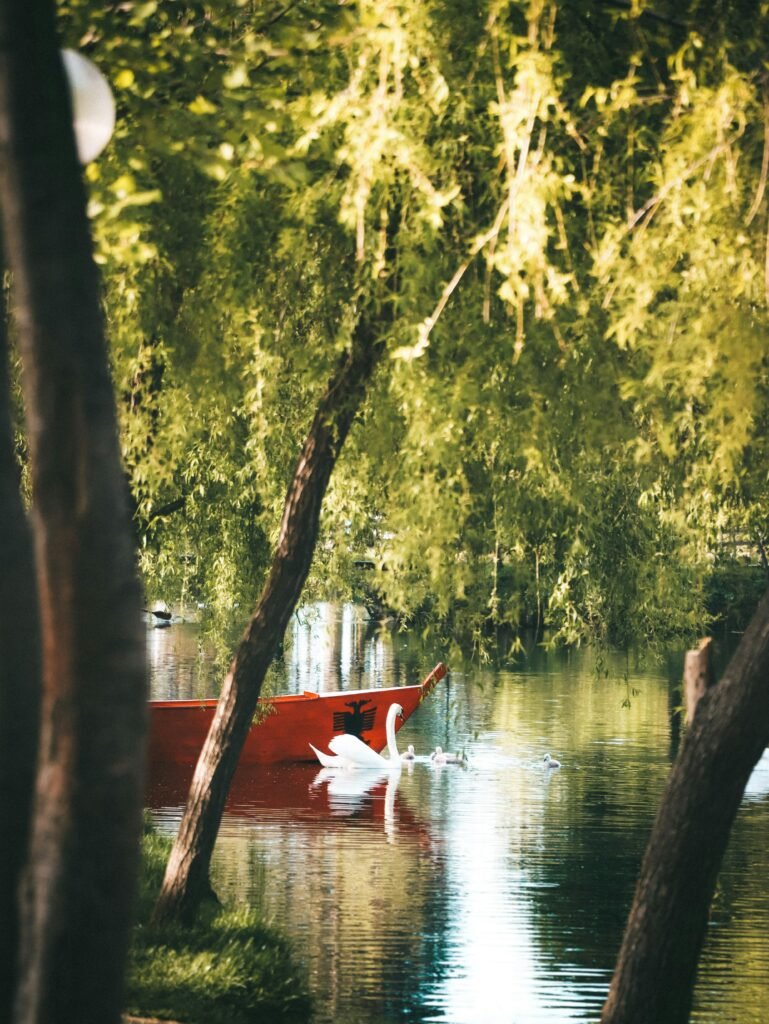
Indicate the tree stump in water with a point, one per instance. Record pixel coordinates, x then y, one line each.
698 675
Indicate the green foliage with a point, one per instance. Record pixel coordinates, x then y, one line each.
569 202
228 968
687 281
628 577
734 589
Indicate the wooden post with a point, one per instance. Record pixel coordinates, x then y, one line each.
698 675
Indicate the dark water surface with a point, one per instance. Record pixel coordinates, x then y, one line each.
493 893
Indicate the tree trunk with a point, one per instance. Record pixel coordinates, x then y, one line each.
83 858
187 874
655 973
19 685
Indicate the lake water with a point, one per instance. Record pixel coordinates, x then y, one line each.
490 893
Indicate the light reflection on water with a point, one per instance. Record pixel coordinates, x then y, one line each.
494 892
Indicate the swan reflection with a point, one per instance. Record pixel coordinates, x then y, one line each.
347 791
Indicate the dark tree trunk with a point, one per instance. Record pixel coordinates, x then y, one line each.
19 685
187 875
762 553
655 973
83 858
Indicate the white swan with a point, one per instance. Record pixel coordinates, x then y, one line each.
351 752
328 760
409 755
551 762
440 756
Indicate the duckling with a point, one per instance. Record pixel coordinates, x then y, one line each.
440 756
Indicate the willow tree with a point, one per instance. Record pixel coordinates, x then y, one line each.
375 117
74 842
483 212
375 127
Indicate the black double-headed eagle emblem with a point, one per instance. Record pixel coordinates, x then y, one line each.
357 721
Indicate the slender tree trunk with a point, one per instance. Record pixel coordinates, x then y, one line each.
655 973
19 685
79 880
187 875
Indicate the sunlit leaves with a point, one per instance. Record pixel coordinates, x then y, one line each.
533 186
577 382
685 279
382 113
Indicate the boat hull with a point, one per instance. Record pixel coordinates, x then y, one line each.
285 726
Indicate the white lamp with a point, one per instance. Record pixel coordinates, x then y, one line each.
93 106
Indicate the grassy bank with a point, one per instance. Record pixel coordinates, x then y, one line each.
228 969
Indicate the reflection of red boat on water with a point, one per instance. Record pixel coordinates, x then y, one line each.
295 792
287 725
302 795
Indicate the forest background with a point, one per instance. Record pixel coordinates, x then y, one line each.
569 422
522 247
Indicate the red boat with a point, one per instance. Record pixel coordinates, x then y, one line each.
287 725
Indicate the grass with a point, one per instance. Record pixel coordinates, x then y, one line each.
228 968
